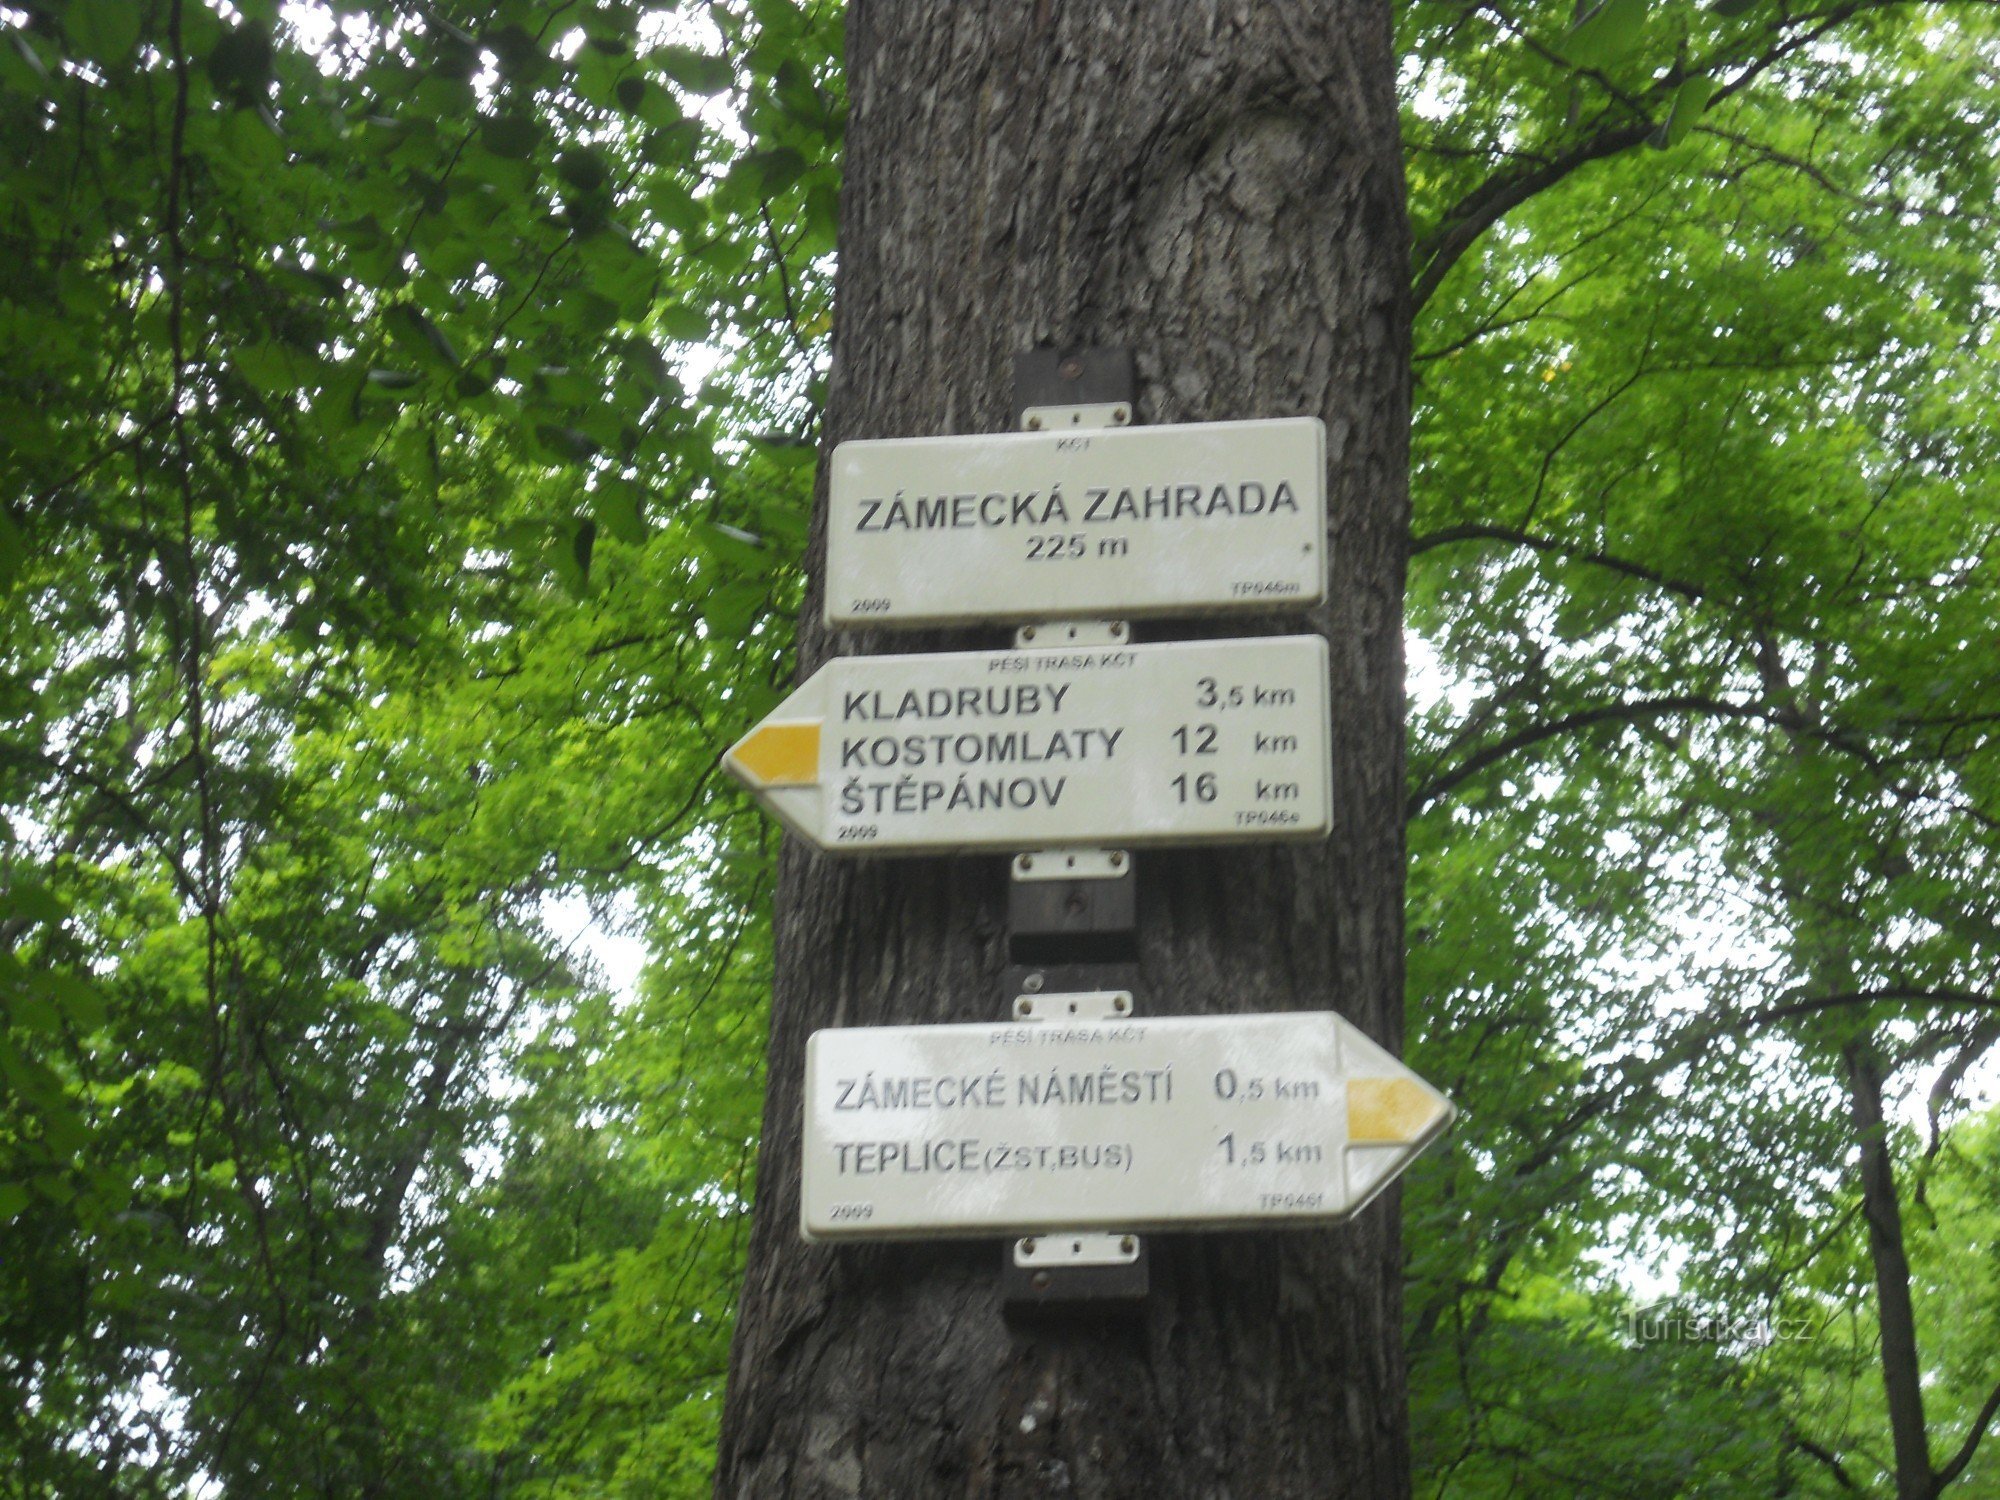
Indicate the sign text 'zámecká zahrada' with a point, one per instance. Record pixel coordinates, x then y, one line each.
1210 516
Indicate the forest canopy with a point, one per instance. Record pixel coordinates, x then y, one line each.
408 421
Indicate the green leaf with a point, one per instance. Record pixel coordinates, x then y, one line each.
21 66
13 551
775 170
322 283
29 1011
671 145
674 206
584 168
569 556
254 148
566 444
277 370
13 1198
510 136
822 217
421 337
240 65
34 901
105 31
1602 36
521 57
734 547
697 72
1730 9
1689 101
797 96
63 1128
618 506
730 609
82 1001
679 321
446 98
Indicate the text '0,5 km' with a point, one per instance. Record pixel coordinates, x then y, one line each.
1182 1122
1203 517
1184 742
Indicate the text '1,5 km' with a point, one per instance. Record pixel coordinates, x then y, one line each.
1134 1123
1207 517
1184 742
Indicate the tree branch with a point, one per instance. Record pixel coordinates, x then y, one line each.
1499 195
1970 1446
1608 713
1474 531
1476 212
1811 1449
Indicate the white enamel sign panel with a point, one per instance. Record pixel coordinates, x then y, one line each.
1181 743
1133 1124
1110 522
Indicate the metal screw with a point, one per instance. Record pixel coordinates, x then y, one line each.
1070 369
1121 414
1034 424
1028 633
1027 861
1119 1003
1024 1007
1126 1246
1039 1281
1117 627
1032 984
1027 1247
1117 860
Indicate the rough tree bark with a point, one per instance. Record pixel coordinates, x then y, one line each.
1216 184
1902 1380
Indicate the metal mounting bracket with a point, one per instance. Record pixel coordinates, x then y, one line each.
1072 1268
1072 913
1072 633
1040 1251
1093 1005
1071 864
1073 379
1077 418
1072 906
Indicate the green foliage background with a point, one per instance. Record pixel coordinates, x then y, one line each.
407 420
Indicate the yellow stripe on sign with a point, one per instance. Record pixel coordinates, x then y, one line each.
779 754
1389 1111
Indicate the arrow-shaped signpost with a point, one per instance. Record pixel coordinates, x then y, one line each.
1181 743
1127 1124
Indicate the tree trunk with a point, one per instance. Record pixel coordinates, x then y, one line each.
1218 186
1902 1378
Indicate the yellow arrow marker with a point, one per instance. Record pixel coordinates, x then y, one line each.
1389 1111
779 754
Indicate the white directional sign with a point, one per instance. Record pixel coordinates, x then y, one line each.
1188 742
1065 525
1184 1122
